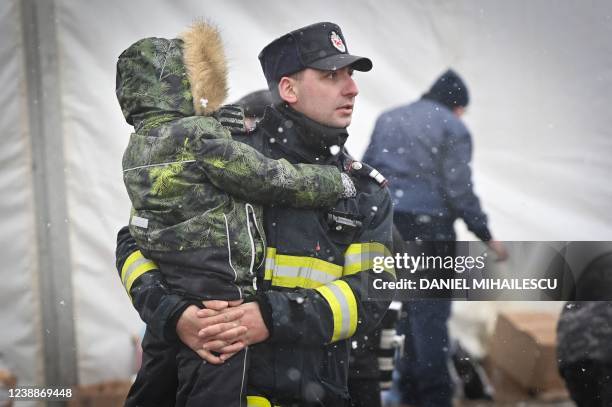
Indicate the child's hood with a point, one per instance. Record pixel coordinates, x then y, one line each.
183 76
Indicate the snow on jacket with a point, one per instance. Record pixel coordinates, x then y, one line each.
316 288
190 184
425 152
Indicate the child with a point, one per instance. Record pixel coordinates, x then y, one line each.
189 181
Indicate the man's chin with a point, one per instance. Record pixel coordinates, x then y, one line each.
343 122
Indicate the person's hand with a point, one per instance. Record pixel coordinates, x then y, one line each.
499 249
191 323
253 321
228 336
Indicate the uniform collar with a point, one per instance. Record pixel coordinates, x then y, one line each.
311 141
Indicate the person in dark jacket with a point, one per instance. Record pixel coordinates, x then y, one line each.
314 291
425 151
195 191
584 337
254 105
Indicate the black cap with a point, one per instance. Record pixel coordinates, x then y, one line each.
450 90
320 46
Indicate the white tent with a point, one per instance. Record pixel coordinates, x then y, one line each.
540 75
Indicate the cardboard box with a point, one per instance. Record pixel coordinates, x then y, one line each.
107 394
507 390
523 346
7 381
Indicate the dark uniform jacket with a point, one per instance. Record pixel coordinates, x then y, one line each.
315 287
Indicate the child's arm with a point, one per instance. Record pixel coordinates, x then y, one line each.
244 172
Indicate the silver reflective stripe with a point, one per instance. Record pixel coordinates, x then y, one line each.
270 263
304 272
346 314
377 176
385 364
358 258
352 258
133 267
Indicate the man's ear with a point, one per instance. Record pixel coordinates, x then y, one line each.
286 90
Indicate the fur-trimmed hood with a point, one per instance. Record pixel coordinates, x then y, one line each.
184 76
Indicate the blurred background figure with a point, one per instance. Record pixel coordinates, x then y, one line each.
254 104
425 149
584 337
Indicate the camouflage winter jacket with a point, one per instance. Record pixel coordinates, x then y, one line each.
188 181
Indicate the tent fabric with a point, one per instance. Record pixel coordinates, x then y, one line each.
539 74
20 350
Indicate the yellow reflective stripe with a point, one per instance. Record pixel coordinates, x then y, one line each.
299 271
133 267
258 401
292 282
312 262
270 263
360 257
137 255
139 271
343 305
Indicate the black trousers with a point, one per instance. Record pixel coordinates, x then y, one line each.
203 384
424 379
589 383
174 375
157 379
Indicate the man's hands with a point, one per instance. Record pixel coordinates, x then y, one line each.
190 323
223 327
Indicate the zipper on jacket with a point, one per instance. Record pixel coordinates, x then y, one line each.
251 216
229 256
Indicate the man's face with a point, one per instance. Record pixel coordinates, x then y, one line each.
326 97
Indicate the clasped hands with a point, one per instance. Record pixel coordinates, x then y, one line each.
222 329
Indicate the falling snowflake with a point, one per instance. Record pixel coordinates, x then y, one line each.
293 374
334 150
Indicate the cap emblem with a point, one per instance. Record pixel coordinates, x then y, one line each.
337 42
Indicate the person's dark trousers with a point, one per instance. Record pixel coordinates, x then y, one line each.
424 379
589 383
156 381
205 384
